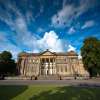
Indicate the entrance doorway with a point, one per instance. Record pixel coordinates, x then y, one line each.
47 66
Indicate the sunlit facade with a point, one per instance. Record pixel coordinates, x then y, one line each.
50 63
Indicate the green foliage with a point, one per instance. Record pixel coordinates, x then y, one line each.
5 56
7 64
91 55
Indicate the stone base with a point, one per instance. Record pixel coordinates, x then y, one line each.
45 77
48 77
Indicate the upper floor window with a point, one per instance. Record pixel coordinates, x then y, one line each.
29 60
33 60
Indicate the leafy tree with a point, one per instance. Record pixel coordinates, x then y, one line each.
91 55
7 64
6 56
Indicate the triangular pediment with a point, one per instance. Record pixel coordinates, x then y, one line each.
47 53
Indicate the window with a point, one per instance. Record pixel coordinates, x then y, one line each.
37 61
33 60
29 60
61 69
73 59
66 59
65 68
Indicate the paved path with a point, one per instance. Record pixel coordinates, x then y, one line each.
93 82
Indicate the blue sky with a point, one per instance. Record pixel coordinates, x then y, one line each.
57 25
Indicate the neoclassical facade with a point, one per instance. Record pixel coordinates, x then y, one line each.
50 63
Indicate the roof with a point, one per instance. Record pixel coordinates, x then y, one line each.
70 53
22 54
47 51
61 53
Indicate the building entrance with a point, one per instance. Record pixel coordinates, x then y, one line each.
48 66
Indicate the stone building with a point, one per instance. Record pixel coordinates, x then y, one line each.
47 63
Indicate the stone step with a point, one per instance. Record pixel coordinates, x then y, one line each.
48 77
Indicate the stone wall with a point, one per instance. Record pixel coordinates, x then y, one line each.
51 64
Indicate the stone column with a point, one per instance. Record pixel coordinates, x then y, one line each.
53 67
40 66
45 68
24 66
49 66
27 65
70 63
43 64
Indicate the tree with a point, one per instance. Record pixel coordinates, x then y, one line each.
7 64
6 55
91 55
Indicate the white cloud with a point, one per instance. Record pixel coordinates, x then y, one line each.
10 47
63 17
23 36
5 44
2 37
71 48
69 12
71 30
88 24
50 41
79 56
64 3
20 24
40 30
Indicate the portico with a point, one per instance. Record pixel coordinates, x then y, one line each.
47 66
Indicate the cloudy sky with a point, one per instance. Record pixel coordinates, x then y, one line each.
57 25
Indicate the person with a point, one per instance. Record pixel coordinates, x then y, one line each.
35 77
1 77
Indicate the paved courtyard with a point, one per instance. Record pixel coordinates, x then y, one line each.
90 82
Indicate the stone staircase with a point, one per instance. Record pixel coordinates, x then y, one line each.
48 77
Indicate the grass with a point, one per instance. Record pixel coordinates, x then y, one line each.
35 92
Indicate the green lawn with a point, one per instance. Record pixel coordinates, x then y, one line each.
32 92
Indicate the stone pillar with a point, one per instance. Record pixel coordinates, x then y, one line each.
45 68
40 66
70 63
49 66
50 71
24 67
43 65
54 67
